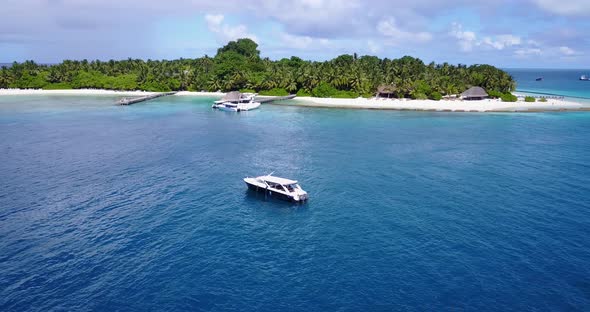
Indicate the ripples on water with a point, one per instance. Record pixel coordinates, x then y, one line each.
143 208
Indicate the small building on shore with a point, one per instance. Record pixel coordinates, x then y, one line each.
385 91
474 93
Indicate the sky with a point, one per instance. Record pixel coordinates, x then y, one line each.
518 33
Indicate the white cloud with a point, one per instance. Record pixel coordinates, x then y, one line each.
533 43
501 41
297 42
525 52
467 39
567 51
392 31
214 21
568 7
302 42
226 32
315 18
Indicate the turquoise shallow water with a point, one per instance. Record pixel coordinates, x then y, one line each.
143 208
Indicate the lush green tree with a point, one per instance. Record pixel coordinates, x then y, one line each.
238 65
509 97
244 47
324 89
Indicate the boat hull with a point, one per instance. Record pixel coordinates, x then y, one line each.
226 108
273 194
237 108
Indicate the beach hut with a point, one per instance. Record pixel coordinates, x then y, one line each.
385 91
474 93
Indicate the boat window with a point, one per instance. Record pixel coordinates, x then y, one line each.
275 185
290 187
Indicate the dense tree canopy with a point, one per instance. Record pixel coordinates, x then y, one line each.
238 66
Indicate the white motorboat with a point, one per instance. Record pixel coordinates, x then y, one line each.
237 102
280 188
585 77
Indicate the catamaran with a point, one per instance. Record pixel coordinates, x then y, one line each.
237 102
280 188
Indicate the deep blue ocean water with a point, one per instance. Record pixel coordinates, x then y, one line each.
143 207
562 82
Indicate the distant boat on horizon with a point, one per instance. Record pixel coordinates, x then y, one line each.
585 77
539 79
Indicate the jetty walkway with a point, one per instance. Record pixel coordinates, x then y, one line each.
267 99
548 97
130 101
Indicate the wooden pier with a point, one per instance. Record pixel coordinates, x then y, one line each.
548 97
268 99
134 100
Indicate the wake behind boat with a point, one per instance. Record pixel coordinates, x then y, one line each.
236 102
281 188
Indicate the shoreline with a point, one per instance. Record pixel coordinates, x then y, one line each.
487 105
97 92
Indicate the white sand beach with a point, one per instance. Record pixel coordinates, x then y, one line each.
488 105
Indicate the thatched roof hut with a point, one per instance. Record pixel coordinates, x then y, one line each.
386 91
474 93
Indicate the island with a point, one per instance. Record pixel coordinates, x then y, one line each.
347 81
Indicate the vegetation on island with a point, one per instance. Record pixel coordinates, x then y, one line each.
238 66
509 97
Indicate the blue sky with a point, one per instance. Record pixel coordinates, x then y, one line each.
527 33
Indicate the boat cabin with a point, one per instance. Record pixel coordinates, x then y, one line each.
277 187
280 184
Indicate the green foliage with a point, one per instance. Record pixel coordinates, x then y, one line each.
274 92
155 86
495 94
244 47
509 97
302 92
529 99
419 96
324 90
543 100
30 81
57 86
345 95
247 90
238 66
436 96
421 88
